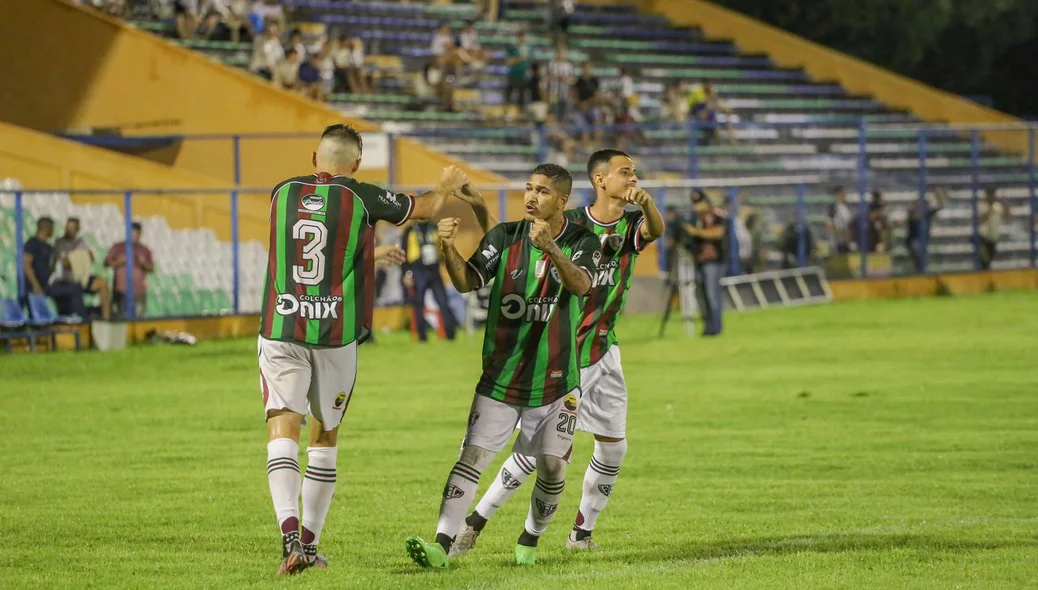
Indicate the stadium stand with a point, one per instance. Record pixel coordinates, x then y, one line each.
786 122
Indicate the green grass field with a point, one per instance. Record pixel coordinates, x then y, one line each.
861 445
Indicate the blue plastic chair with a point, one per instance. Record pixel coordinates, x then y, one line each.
41 314
15 326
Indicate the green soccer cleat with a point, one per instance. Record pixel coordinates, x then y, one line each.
427 554
525 555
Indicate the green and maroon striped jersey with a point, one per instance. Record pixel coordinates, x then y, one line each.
621 243
320 285
529 347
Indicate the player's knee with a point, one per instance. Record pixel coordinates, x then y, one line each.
319 437
612 451
476 457
551 468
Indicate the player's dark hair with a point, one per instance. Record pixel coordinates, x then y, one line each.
44 222
346 133
136 225
600 158
72 220
560 177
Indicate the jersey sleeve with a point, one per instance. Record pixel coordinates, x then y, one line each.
634 241
587 253
383 205
485 260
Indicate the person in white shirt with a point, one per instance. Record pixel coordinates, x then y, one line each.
470 51
839 220
560 82
286 73
349 65
445 51
267 52
990 229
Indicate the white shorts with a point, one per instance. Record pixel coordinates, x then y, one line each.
604 408
547 430
308 381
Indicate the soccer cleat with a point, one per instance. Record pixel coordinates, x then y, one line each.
584 544
292 561
525 555
464 542
313 558
427 554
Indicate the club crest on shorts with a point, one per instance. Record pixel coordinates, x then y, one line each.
452 492
339 400
570 402
605 489
546 509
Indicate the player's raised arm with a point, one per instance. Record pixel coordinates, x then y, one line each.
484 217
653 226
575 274
481 268
428 205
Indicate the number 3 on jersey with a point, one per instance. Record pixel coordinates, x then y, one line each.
311 272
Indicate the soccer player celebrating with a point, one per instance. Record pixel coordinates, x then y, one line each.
541 267
603 412
318 303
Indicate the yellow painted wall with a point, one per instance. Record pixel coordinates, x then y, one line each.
39 160
822 63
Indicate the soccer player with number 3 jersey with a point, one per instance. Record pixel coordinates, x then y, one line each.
318 304
603 409
540 268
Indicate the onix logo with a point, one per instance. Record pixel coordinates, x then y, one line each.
314 307
537 309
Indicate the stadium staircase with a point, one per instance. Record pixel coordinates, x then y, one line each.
797 125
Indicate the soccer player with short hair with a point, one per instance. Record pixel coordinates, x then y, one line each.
317 307
603 413
540 268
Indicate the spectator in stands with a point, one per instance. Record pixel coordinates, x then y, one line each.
919 221
560 83
790 244
143 263
755 263
707 233
186 17
706 106
38 256
559 17
422 273
838 221
676 107
267 52
517 57
326 67
269 11
469 48
536 89
625 109
234 15
349 66
286 73
586 97
73 260
310 78
443 49
990 229
295 41
431 86
877 227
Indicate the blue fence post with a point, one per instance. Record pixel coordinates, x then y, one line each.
863 188
801 226
129 309
661 245
19 245
236 148
542 144
1031 182
234 252
734 262
502 205
924 207
390 161
974 189
693 148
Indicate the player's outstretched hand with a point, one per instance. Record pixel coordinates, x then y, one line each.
452 179
469 194
448 228
389 255
540 234
637 196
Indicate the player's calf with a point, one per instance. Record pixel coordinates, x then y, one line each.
599 480
544 501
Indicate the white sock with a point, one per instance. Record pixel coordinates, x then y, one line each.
458 494
512 475
547 491
318 488
283 477
599 480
